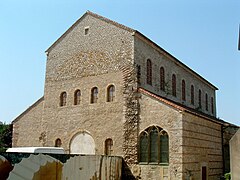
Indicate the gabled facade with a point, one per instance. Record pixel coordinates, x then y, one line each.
110 90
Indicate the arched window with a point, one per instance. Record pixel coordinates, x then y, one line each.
206 101
183 90
154 146
153 139
63 99
110 93
94 95
162 79
212 105
143 149
58 142
174 85
200 98
149 72
108 146
164 147
192 94
77 97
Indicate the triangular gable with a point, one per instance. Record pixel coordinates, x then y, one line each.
135 33
93 15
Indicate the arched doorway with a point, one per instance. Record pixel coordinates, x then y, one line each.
82 143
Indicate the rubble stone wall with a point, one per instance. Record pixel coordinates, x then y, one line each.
102 57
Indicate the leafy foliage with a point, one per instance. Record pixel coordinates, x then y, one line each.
227 176
5 136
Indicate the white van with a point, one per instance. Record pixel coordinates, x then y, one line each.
48 150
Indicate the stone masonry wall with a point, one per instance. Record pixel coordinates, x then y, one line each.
202 146
110 55
27 127
144 51
154 112
79 61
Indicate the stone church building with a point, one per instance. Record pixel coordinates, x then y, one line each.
109 90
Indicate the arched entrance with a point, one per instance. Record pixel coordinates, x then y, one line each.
82 143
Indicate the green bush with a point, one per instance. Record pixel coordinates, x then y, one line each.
5 137
227 176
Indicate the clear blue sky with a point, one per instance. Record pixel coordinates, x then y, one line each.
203 34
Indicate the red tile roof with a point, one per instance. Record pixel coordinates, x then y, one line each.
180 106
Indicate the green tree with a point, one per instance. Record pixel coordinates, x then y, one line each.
5 136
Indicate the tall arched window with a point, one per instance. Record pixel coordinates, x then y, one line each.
183 90
149 72
174 85
192 94
154 146
206 101
108 146
153 139
94 95
212 105
162 79
143 149
58 142
63 99
164 147
200 98
77 97
110 93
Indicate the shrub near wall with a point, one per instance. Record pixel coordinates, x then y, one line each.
5 137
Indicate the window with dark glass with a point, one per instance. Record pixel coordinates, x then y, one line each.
206 101
108 146
174 85
149 72
192 94
183 90
143 155
162 79
58 142
63 99
110 93
212 105
200 98
94 95
86 30
138 74
154 146
77 97
164 147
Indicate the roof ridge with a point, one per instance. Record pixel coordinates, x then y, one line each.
110 21
135 32
93 15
